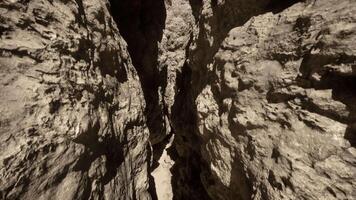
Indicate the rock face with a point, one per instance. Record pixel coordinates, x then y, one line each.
276 115
178 99
71 123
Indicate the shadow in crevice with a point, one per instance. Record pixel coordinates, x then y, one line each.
110 148
350 135
152 186
141 24
186 172
343 86
276 6
229 15
190 168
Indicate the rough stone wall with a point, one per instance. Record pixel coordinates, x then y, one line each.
71 123
219 99
275 112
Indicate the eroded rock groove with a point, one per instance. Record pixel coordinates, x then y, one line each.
178 99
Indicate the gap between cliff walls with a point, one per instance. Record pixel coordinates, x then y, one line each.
190 166
141 24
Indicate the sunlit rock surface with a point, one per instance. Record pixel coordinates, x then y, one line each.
178 99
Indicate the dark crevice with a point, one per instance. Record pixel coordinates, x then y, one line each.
240 14
141 24
158 151
196 6
195 77
343 85
276 6
350 135
186 179
151 183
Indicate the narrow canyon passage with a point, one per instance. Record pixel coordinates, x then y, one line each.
186 165
199 165
162 173
178 99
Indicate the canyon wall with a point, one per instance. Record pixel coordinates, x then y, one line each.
72 120
178 99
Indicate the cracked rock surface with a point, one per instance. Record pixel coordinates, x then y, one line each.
71 123
178 99
276 117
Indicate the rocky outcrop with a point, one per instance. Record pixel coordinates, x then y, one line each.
72 123
275 113
177 99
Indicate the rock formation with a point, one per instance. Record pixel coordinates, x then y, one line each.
72 121
178 99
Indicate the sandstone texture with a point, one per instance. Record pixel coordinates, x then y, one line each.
276 115
178 99
71 123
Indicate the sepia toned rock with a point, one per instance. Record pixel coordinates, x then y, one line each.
72 122
178 99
